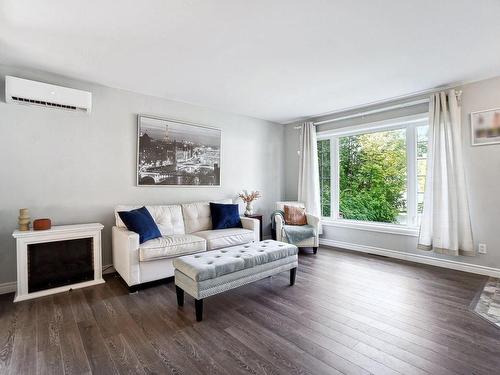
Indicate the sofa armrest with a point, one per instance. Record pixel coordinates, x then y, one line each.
278 225
251 224
125 246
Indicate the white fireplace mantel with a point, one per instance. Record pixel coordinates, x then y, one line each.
56 233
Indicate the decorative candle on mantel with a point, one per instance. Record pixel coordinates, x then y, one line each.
24 219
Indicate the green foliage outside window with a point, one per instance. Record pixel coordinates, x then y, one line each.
372 170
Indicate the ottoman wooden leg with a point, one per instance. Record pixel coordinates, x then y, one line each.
293 272
198 303
180 296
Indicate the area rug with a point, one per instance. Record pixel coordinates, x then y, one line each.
487 305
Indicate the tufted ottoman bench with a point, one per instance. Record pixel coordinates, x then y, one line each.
206 274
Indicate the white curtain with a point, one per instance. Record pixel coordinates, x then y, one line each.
308 170
445 226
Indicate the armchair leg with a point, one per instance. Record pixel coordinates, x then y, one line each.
315 249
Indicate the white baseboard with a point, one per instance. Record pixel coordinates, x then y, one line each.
108 268
417 258
11 286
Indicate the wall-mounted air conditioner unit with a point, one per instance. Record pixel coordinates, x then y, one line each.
24 91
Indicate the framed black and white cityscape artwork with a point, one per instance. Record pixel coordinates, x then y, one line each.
176 153
485 127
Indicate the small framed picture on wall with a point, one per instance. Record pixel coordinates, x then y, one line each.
485 127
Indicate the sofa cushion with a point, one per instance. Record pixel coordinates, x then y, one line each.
225 216
197 215
168 218
170 246
218 238
212 264
140 222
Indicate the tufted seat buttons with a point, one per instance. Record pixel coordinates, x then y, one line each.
214 264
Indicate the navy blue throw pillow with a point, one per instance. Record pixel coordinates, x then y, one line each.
141 222
225 216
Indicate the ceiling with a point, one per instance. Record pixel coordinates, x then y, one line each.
278 60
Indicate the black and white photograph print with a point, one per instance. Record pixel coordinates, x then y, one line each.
175 153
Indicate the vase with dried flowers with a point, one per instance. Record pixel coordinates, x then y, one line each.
248 198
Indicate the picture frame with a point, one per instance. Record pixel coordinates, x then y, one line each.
174 152
485 127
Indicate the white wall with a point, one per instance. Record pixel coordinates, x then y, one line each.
483 175
74 168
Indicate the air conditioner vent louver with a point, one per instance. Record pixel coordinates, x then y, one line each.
48 104
23 91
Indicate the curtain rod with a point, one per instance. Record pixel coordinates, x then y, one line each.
388 108
374 111
370 112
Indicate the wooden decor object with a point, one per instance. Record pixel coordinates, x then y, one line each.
24 219
42 224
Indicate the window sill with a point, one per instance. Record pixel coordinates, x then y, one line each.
371 227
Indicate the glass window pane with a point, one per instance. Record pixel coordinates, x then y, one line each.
420 202
422 149
324 176
421 167
422 139
422 133
373 173
420 184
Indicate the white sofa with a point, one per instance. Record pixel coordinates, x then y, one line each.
311 220
185 228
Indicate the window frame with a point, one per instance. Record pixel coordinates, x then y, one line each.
410 123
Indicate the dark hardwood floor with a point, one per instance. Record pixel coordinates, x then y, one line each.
347 313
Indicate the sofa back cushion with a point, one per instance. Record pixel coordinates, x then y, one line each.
281 205
197 215
168 218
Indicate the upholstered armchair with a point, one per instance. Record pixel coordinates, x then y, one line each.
311 220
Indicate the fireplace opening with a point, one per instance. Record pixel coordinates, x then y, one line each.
59 263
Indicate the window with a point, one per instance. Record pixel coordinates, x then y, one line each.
421 166
380 170
324 176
